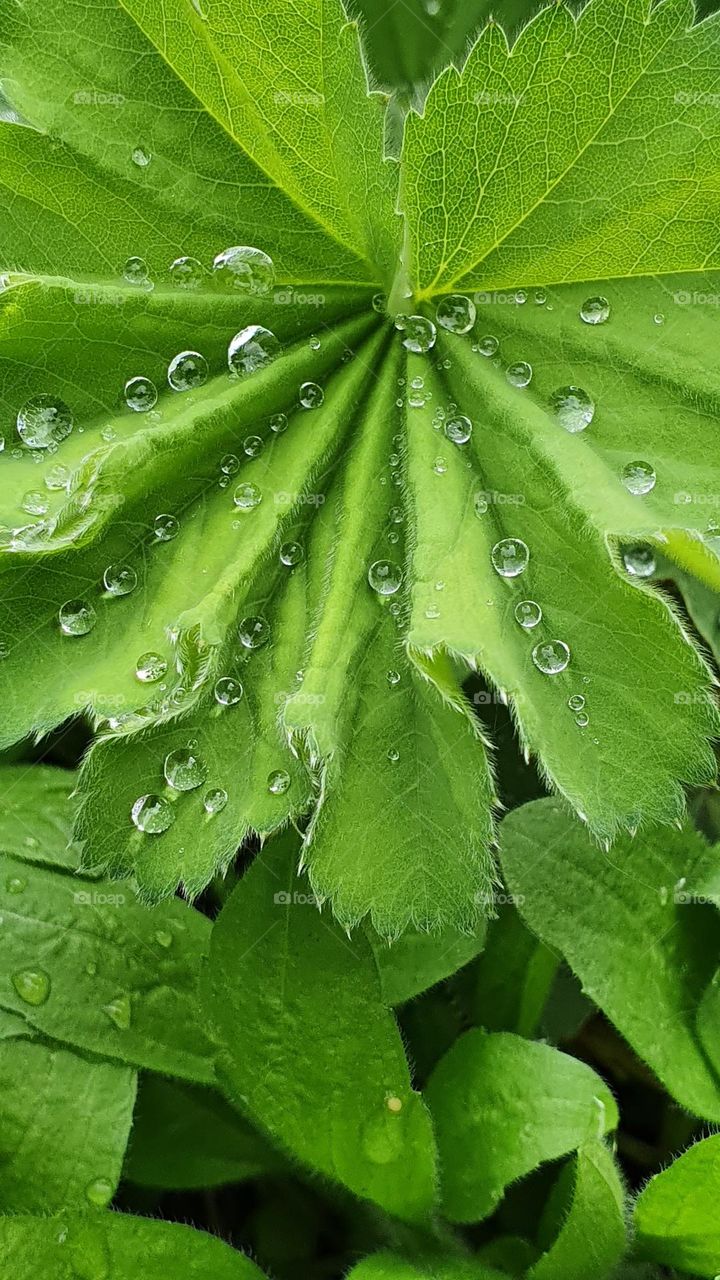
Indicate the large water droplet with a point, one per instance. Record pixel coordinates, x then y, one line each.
76 617
228 691
639 477
595 310
184 770
150 667
253 348
254 632
120 579
510 557
152 814
44 422
311 395
278 782
456 313
32 986
166 527
246 268
459 429
247 496
385 577
140 394
187 371
639 562
528 613
573 408
187 273
551 657
119 1011
419 334
519 374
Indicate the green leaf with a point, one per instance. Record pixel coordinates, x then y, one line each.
417 961
279 967
513 977
36 819
79 1247
64 1124
185 1137
496 198
676 1214
502 1106
390 1266
623 923
591 1240
83 961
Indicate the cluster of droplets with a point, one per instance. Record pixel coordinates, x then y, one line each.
510 558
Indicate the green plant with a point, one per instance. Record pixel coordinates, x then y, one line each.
358 381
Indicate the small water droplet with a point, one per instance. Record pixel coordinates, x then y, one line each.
77 618
459 429
32 986
639 562
385 577
254 632
540 297
120 579
551 657
57 478
140 394
278 782
440 466
510 557
228 691
214 801
141 157
35 503
252 349
15 884
311 395
393 678
166 527
229 464
488 346
152 814
247 496
456 313
528 613
119 1011
659 318
44 422
582 720
595 310
150 667
245 268
187 371
184 770
420 335
639 478
379 303
278 423
291 553
187 273
576 702
136 271
521 297
519 374
393 755
573 408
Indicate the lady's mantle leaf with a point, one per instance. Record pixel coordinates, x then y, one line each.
676 1215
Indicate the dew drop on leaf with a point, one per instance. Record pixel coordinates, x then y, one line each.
510 557
595 310
521 298
278 423
247 496
639 562
379 303
76 617
166 527
574 409
187 371
528 613
311 395
136 271
254 632
420 335
44 422
551 657
576 702
488 346
456 313
184 770
32 986
252 349
36 504
582 720
140 394
229 464
459 429
214 801
245 268
141 157
393 755
639 478
57 478
253 446
120 579
119 1011
15 884
278 782
540 297
385 577
187 273
99 1192
228 691
519 374
393 678
152 814
291 553
150 667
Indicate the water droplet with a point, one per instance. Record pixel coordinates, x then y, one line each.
246 268
44 422
99 1192
152 814
187 371
521 297
278 423
164 939
254 632
311 395
659 318
119 1011
528 614
420 335
229 464
379 303
459 429
140 394
247 496
393 678
187 273
166 527
440 466
510 557
76 617
150 667
582 720
573 408
576 702
314 342
253 446
519 374
393 755
551 657
228 691
15 884
488 346
32 986
395 515
278 782
184 770
214 801
540 297
291 553
136 271
638 477
120 579
141 157
385 577
35 503
252 349
639 562
457 313
595 310
432 612
58 478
